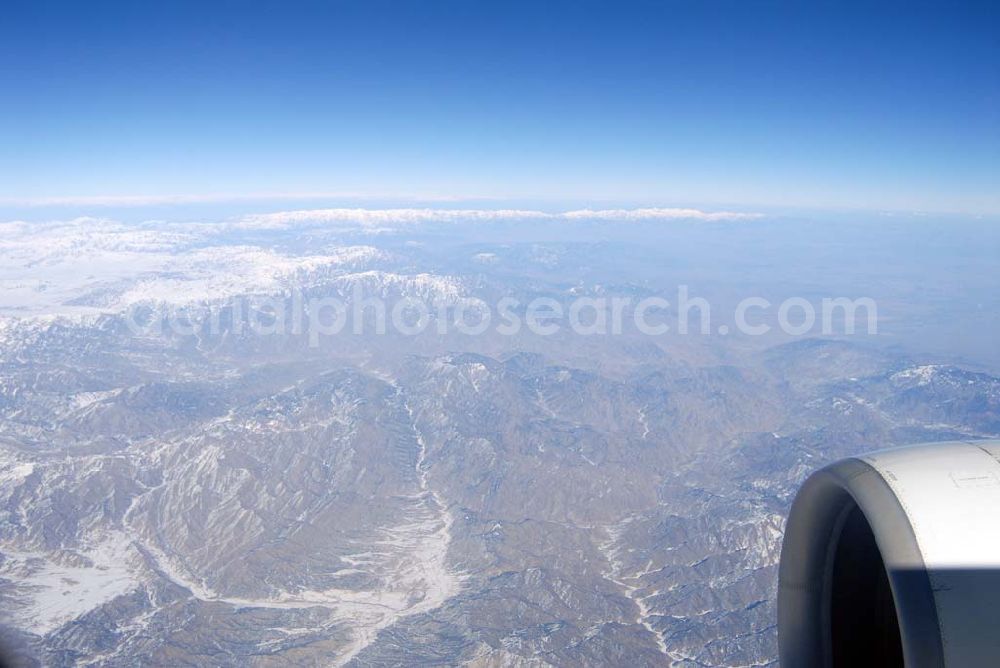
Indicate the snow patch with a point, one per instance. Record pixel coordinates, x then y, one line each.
51 589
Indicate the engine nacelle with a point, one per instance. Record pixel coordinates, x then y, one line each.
893 559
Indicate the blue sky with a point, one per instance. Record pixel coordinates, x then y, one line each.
836 105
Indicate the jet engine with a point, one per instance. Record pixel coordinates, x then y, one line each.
893 559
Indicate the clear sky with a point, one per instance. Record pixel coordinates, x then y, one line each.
836 105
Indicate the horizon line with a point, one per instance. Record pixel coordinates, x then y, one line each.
140 201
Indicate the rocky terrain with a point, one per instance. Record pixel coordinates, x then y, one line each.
219 496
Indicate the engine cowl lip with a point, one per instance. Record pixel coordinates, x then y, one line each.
811 534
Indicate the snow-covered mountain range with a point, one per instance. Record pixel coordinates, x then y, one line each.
239 498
